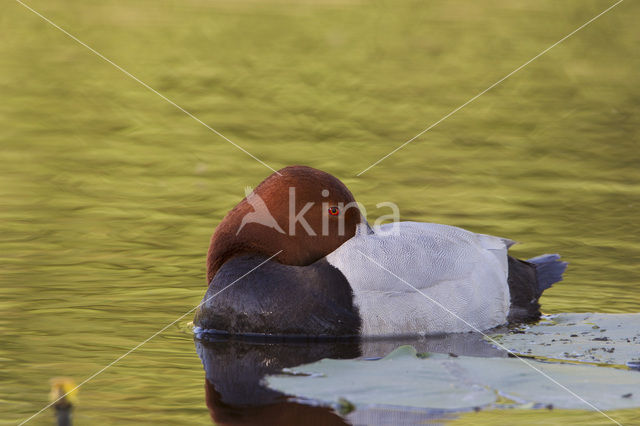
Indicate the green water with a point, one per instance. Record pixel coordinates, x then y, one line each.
108 194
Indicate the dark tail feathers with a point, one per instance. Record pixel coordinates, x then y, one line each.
549 270
527 280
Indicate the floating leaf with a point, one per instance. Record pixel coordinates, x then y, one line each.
593 338
442 382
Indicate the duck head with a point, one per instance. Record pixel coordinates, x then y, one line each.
304 212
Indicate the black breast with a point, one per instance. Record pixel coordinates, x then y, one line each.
277 299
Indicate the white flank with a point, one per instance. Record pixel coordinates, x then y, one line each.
464 271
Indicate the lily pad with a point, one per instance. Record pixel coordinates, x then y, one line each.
593 338
443 382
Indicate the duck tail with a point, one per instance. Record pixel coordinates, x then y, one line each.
549 270
527 280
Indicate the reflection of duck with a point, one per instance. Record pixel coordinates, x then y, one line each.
234 394
234 370
332 275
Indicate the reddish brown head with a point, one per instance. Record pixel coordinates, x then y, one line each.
304 212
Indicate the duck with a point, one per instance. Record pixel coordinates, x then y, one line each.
297 258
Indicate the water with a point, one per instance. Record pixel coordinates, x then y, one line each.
109 194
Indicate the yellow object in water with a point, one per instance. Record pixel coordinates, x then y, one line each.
63 391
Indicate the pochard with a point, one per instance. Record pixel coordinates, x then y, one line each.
297 258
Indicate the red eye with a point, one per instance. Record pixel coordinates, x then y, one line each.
334 211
